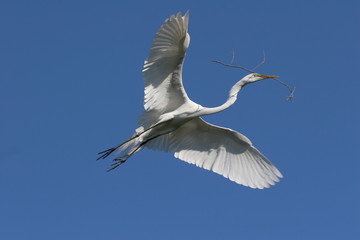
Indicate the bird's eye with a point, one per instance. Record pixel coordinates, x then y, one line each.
257 75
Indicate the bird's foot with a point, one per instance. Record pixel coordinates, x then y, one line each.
117 162
106 153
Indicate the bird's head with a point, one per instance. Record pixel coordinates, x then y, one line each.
254 77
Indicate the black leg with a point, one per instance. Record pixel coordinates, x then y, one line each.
109 151
122 159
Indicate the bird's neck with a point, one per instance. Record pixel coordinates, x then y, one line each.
230 101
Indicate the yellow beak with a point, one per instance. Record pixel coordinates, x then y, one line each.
268 76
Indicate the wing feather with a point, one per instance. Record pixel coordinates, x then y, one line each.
162 71
220 150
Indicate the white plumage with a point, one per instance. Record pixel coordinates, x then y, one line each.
171 121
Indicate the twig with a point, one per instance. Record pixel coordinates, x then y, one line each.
233 66
291 96
292 90
233 56
262 62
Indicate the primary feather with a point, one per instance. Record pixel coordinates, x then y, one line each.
162 72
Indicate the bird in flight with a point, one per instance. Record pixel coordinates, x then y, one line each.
172 122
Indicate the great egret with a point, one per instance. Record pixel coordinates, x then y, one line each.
172 122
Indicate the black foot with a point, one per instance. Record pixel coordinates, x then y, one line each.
106 153
118 162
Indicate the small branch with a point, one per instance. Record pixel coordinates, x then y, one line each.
233 56
291 96
262 62
292 90
233 66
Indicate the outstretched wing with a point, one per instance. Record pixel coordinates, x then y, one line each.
220 150
162 72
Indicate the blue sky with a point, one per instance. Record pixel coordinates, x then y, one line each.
71 86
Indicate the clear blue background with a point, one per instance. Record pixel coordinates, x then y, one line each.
71 86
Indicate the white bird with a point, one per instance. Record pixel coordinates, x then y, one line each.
172 122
